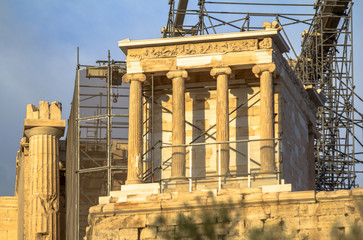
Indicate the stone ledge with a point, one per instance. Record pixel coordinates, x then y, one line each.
242 191
131 193
276 188
29 123
8 201
141 188
297 197
248 197
332 195
298 210
357 192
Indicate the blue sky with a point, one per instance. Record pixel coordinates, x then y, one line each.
38 41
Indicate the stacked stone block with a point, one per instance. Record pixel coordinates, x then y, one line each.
300 215
8 218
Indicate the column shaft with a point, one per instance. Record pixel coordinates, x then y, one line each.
43 151
134 166
178 128
267 149
134 157
222 115
44 183
178 122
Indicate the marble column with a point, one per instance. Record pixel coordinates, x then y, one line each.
43 128
134 158
178 122
267 147
222 115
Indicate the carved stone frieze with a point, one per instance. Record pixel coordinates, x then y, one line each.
265 43
193 49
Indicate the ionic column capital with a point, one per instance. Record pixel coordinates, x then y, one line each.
215 72
133 77
177 74
259 69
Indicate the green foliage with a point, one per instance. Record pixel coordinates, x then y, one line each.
217 221
211 222
272 233
355 231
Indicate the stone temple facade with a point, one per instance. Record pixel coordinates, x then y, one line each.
235 125
234 89
231 123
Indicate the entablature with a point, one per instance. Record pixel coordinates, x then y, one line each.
202 53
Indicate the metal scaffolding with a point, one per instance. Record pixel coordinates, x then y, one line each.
96 140
324 60
98 124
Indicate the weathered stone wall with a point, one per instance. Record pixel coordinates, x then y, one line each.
302 215
295 141
296 129
8 218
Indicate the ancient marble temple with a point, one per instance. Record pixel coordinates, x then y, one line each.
223 105
230 122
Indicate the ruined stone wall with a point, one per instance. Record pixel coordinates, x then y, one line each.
301 215
8 218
